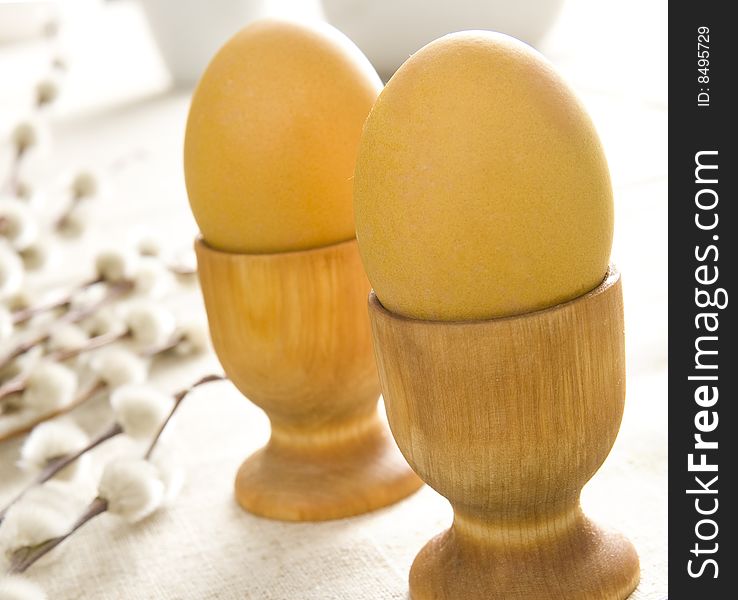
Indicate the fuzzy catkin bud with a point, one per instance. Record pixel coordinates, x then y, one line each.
49 386
140 409
47 91
85 184
18 224
115 265
116 367
52 440
151 325
25 136
132 488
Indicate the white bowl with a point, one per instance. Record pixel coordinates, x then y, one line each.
190 32
389 31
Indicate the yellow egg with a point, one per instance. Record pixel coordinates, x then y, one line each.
272 137
481 188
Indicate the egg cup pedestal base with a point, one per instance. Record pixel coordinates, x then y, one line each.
508 418
292 333
315 478
552 559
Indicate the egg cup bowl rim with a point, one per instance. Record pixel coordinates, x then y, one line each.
612 276
201 242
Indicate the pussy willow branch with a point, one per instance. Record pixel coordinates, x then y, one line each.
61 462
97 388
62 219
175 341
20 382
24 558
114 292
178 397
83 397
64 301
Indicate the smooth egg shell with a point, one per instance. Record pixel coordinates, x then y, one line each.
481 188
272 137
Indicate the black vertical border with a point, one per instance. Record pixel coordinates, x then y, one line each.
691 129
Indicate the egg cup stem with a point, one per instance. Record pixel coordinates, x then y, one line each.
508 418
292 334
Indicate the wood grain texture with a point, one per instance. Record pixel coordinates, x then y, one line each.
508 419
292 332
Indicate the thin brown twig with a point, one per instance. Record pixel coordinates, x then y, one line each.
20 382
88 394
93 343
178 397
22 559
61 220
22 315
156 350
61 462
64 301
73 316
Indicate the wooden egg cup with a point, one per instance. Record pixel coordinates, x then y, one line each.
292 332
508 418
